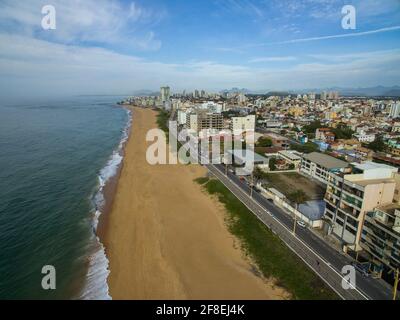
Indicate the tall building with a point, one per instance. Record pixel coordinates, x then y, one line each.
204 120
165 94
395 110
350 196
243 123
381 239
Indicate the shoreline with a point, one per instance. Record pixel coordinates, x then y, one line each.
171 243
102 200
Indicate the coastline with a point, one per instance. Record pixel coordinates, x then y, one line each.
165 238
96 286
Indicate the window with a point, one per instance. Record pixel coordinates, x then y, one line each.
350 230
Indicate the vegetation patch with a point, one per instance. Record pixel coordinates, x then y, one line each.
271 255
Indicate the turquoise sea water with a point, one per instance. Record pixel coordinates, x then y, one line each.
53 158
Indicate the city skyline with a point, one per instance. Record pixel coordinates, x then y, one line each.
113 47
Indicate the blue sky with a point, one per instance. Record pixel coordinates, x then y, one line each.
119 46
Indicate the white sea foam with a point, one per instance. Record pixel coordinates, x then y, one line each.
96 287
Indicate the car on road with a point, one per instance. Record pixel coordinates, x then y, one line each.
301 223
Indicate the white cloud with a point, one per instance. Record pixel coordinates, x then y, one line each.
343 35
38 67
272 59
89 21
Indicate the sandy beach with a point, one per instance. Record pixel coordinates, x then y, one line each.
165 237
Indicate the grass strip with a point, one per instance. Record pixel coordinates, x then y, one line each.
273 258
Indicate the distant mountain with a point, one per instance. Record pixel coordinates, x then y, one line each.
366 92
237 90
145 93
278 93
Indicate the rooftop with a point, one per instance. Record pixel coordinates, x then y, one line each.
369 165
247 155
389 208
290 155
325 161
365 182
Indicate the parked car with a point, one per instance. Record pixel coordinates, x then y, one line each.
301 223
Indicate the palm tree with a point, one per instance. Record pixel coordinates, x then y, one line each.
297 197
257 174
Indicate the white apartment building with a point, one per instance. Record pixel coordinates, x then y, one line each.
165 94
182 115
395 110
239 124
319 166
365 137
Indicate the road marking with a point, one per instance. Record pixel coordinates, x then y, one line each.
287 229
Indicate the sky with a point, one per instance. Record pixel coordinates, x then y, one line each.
121 46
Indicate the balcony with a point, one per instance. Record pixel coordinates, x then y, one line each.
352 201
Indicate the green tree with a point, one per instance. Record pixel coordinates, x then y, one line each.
305 148
343 132
298 197
258 174
272 164
264 142
378 145
312 127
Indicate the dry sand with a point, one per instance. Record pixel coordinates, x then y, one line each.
166 238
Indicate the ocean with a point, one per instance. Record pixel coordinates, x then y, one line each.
55 159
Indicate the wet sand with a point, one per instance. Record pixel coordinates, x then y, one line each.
165 237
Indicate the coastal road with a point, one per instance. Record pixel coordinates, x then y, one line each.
314 251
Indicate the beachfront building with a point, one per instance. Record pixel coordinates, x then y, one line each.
319 166
165 94
350 196
204 120
380 239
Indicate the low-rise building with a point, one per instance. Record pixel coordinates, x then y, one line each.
319 166
363 154
324 134
291 157
365 137
278 140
